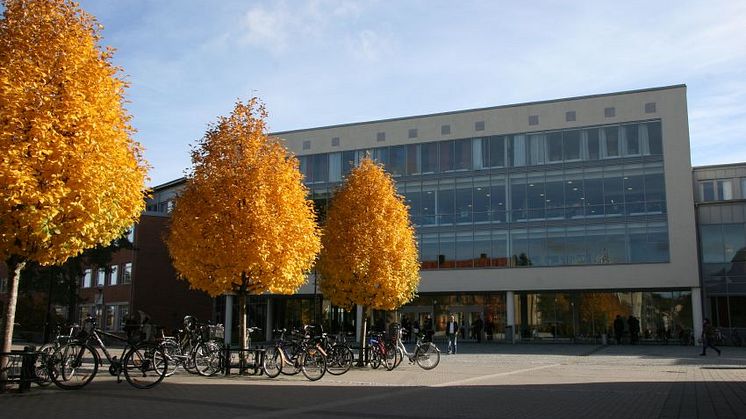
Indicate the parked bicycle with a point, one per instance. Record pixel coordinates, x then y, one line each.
379 352
302 353
425 354
48 349
76 363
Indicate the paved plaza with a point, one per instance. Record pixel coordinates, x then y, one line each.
483 381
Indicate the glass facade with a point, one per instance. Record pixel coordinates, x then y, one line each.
723 257
585 196
577 316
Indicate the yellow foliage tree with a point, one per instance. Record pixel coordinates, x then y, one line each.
71 176
243 223
369 254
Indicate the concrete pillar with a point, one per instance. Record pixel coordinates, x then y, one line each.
270 321
510 315
697 312
228 318
358 322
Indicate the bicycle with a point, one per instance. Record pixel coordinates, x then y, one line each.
304 354
380 352
76 363
339 356
208 356
426 355
47 350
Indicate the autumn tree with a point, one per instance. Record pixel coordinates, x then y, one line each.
243 223
369 255
71 176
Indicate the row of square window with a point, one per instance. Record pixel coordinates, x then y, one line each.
533 120
721 189
108 276
597 143
112 319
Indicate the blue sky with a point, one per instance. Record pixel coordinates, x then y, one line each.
327 62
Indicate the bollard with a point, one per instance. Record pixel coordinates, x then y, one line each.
227 364
28 369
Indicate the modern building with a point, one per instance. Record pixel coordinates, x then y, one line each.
721 219
547 218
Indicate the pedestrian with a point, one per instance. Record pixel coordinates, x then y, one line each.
415 330
427 328
634 329
618 329
476 327
452 334
708 337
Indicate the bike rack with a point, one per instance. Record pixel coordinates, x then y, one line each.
242 365
26 374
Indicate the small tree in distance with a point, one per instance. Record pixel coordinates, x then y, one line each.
369 254
71 177
243 223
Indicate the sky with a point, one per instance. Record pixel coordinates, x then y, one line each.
326 62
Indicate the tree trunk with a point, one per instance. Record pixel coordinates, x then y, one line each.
15 264
363 341
242 320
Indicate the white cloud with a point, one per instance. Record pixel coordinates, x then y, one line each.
269 29
369 46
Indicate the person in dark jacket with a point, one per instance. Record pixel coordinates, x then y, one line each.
618 329
452 334
476 328
708 337
634 329
427 329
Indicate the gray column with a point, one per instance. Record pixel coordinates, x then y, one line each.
268 326
510 315
228 318
697 312
359 322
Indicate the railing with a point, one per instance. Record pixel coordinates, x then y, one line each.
20 369
249 360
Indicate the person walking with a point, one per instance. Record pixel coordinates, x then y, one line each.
634 329
452 334
476 328
708 337
427 329
618 329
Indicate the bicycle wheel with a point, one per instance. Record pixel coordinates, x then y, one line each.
208 359
189 360
171 351
389 359
339 360
145 365
399 356
427 356
374 357
295 365
313 364
73 366
272 363
41 368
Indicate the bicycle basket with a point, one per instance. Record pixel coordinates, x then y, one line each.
216 331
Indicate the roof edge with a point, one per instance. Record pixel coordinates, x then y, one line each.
540 102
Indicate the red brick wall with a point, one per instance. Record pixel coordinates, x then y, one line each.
155 287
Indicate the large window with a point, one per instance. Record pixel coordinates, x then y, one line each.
567 197
127 273
87 278
101 277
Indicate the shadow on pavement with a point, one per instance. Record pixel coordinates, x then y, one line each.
670 399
